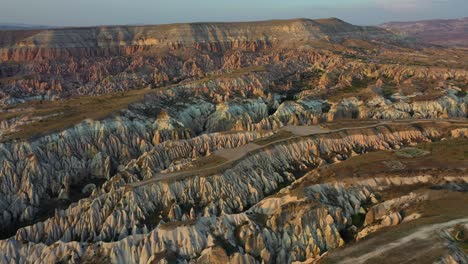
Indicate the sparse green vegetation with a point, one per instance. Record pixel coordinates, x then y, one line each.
411 153
357 88
259 218
442 155
307 79
16 78
387 92
230 74
237 230
450 150
461 93
459 234
358 219
175 224
356 85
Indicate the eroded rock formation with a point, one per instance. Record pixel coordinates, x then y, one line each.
146 183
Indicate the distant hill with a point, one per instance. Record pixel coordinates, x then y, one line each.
188 34
11 26
445 32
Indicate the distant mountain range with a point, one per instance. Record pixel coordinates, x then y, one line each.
445 32
265 32
11 26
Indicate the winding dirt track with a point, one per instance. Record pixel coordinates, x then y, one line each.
421 233
233 155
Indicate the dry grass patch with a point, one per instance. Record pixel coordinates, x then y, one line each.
443 206
61 114
11 79
349 123
432 96
277 136
441 156
176 224
228 74
360 91
447 151
207 162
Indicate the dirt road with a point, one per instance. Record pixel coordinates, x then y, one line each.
423 233
235 154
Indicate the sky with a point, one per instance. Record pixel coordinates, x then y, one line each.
121 12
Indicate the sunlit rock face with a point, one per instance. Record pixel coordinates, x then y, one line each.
225 206
203 168
44 168
90 151
94 60
96 149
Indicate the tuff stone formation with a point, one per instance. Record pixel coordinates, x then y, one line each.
221 159
93 60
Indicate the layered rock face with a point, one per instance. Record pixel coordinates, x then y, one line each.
205 167
75 61
119 212
32 172
44 168
184 35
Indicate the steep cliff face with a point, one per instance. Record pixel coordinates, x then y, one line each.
34 171
211 164
98 60
279 159
41 170
224 214
186 34
319 58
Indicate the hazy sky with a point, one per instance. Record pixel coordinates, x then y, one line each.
99 12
